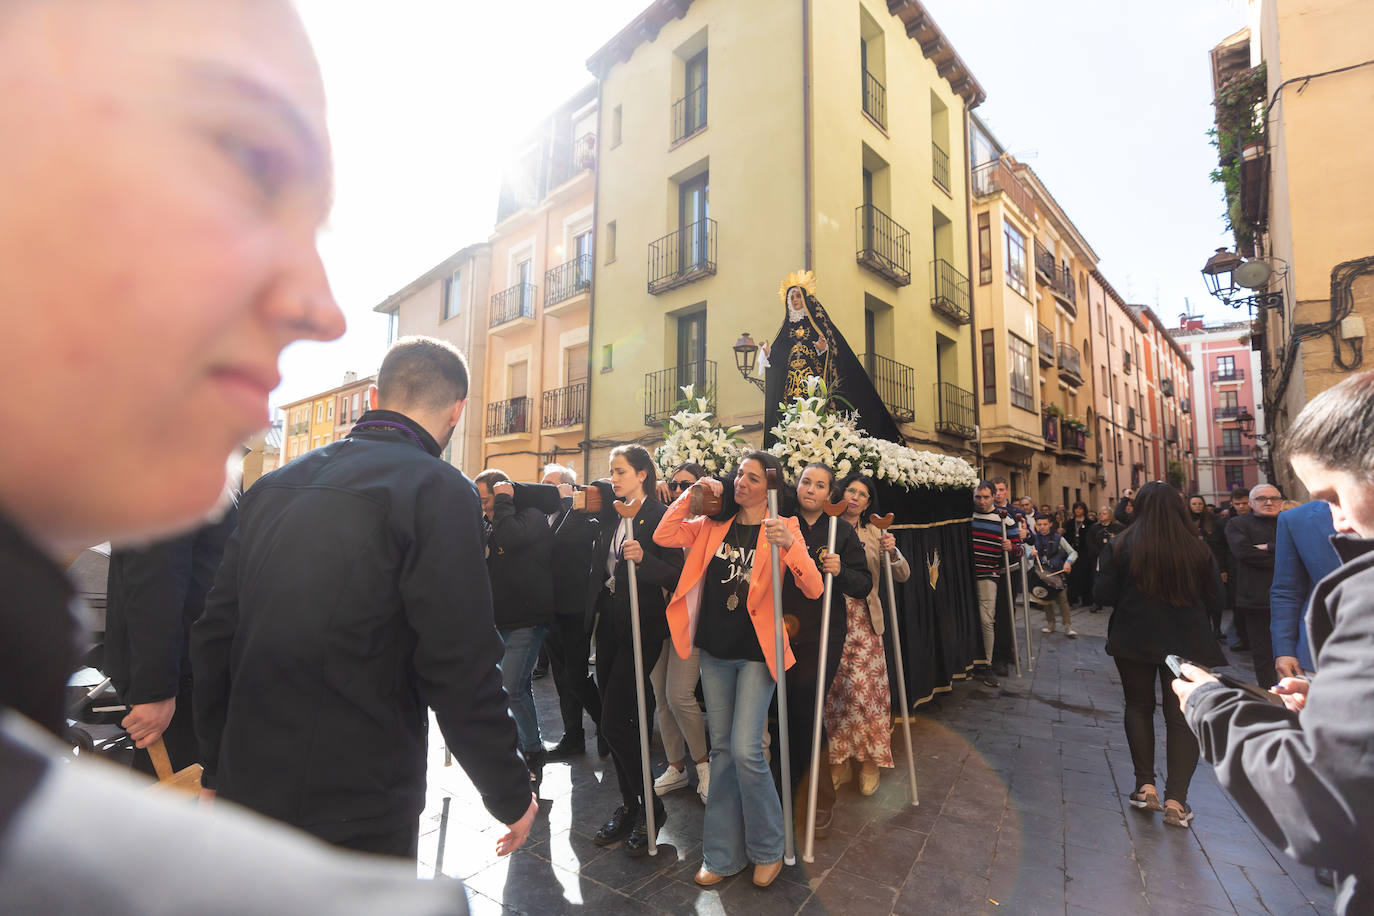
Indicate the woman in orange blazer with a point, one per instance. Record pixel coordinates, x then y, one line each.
723 605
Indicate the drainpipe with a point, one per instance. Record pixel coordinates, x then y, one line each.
807 203
970 234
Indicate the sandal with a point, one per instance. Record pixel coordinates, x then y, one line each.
1146 798
1177 814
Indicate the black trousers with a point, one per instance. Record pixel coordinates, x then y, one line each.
1261 644
569 646
179 737
1180 744
615 676
801 711
404 842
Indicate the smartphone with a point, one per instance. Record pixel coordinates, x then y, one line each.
1176 664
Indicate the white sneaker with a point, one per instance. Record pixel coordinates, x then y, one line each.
703 780
672 778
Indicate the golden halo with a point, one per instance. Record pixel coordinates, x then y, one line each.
804 278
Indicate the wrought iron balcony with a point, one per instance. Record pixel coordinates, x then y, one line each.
875 99
954 411
949 292
1173 434
1044 340
1075 441
1063 288
1070 364
572 158
895 383
689 113
1126 361
663 389
1228 375
1166 387
568 280
1045 264
1226 413
298 429
564 407
506 418
1049 425
1185 405
1130 419
994 176
682 257
1231 451
514 303
939 165
884 247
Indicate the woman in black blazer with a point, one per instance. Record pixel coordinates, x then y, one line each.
632 476
1161 582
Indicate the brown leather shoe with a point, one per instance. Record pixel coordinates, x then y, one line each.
707 878
764 874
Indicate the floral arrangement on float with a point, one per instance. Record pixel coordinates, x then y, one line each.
692 435
809 430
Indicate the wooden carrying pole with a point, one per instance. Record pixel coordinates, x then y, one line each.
789 843
882 523
834 510
183 780
627 512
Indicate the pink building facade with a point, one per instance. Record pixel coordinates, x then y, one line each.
1226 373
1168 395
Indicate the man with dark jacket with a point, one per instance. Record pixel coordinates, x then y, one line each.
1303 773
568 640
1100 534
1251 538
153 594
519 551
352 599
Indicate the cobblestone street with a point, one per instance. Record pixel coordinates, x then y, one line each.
1023 810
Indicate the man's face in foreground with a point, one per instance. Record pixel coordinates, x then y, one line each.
163 193
1351 496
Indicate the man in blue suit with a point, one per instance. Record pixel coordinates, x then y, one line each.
1303 556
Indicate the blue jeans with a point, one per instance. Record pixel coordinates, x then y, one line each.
743 812
517 667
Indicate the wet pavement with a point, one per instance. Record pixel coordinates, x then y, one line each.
1022 810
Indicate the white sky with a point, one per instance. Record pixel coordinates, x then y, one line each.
1108 100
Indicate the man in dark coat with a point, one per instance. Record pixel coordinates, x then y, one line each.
153 594
1303 773
1251 538
352 600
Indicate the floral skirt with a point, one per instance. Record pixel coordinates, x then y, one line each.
858 707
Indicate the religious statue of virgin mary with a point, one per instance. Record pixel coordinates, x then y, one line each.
807 344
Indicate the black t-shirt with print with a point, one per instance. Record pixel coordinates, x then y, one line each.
722 631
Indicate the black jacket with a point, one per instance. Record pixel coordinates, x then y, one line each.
1215 541
659 570
574 541
853 580
1306 781
1076 533
1254 567
1098 537
153 595
354 595
519 554
1147 629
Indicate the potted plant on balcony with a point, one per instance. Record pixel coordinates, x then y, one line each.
1053 410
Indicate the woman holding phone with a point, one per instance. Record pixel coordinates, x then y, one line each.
1161 582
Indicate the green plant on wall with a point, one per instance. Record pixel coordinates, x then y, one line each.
1239 123
1176 475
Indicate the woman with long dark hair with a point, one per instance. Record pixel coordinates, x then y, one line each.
1075 530
1212 533
1161 582
632 477
723 606
858 709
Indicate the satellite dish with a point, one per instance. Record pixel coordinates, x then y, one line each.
1253 274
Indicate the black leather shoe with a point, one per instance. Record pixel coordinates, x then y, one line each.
617 828
568 747
602 748
1240 647
539 672
1325 876
638 843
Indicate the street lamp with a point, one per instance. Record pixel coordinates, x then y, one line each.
1246 421
746 352
1227 274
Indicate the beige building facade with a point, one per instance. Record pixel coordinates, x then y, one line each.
1122 431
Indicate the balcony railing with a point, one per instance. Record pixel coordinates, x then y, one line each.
895 383
1126 361
1226 413
1231 451
1185 405
1173 434
663 389
1044 339
298 429
564 407
689 113
1075 441
1130 419
505 418
1166 386
1069 362
1045 264
1228 375
682 257
954 411
939 165
1063 287
884 247
994 176
875 99
568 280
949 292
513 303
572 158
1050 428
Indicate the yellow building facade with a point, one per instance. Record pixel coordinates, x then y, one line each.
741 142
323 418
539 297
